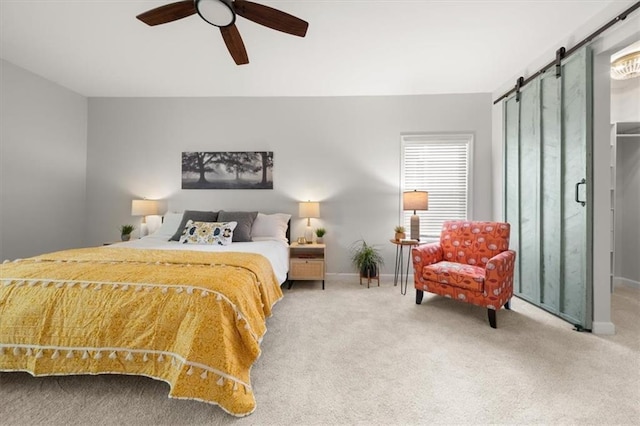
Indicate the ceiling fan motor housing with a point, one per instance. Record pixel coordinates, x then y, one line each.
219 13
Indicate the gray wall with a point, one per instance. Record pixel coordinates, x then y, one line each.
43 135
343 152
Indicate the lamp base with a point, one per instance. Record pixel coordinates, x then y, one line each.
144 230
308 235
153 223
415 227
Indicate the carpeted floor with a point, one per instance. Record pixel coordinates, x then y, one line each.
352 355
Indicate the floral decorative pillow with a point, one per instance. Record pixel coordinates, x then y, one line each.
220 233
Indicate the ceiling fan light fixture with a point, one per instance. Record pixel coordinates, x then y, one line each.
626 67
216 12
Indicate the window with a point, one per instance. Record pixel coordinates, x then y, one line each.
440 165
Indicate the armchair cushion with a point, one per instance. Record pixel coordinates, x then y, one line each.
457 274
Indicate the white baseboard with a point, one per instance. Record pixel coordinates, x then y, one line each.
617 281
598 327
341 275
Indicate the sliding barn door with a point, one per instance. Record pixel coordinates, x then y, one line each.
547 184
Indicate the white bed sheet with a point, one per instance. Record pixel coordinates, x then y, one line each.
276 251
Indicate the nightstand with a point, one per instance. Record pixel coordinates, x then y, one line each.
306 262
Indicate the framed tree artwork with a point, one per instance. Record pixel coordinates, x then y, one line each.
227 170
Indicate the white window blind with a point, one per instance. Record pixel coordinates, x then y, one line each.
440 165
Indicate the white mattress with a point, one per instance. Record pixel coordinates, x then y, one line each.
276 251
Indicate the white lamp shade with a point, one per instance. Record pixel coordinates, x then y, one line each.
415 200
145 207
309 209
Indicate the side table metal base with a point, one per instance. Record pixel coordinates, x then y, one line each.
401 274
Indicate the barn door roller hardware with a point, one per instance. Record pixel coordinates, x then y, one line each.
519 84
589 39
559 56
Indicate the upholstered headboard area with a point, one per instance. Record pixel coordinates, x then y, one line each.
251 226
288 234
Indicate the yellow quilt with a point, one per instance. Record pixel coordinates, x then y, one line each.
194 320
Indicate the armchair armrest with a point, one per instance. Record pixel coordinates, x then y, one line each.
423 255
499 275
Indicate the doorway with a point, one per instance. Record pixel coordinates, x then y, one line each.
625 116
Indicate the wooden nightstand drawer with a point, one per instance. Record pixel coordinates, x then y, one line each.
306 269
306 263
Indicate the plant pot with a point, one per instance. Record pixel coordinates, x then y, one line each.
125 237
400 236
320 240
369 271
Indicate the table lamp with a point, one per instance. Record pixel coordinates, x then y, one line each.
308 210
415 200
144 208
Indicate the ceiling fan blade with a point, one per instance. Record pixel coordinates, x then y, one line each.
271 18
168 13
234 43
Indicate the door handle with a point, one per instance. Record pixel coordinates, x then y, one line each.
582 182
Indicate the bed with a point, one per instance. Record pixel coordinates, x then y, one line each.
192 315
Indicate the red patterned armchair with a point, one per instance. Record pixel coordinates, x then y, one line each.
472 263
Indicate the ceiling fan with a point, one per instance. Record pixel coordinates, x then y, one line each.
222 14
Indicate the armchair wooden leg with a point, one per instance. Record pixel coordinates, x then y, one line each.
492 317
419 294
508 305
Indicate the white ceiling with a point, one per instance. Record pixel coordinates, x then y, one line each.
352 47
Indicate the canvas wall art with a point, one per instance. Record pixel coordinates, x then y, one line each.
227 170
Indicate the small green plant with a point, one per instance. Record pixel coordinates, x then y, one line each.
320 232
127 229
366 258
400 229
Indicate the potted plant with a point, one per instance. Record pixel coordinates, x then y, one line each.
366 258
125 232
319 234
400 232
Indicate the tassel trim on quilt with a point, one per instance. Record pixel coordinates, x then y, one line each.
187 367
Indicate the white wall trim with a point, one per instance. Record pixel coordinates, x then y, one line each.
620 281
343 275
599 327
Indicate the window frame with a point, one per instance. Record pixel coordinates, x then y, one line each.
426 138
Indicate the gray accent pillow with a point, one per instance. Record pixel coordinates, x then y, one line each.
196 216
242 233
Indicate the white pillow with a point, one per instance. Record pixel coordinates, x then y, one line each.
270 226
219 233
170 223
